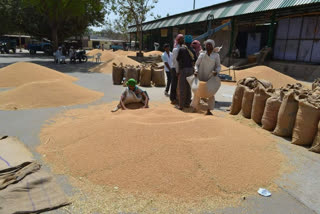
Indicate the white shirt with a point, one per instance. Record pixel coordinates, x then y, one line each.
167 58
175 63
206 65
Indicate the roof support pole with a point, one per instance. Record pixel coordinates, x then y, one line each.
232 36
271 30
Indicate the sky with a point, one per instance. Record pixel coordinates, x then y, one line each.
163 7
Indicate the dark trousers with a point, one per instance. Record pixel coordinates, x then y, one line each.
168 80
184 87
174 84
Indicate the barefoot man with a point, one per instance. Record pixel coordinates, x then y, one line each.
207 66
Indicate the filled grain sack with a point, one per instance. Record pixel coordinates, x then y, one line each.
258 104
316 83
246 106
250 82
158 77
131 72
296 86
117 74
237 100
265 83
287 115
306 125
270 114
204 89
138 69
145 76
316 142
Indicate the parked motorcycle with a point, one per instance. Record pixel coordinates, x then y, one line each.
81 56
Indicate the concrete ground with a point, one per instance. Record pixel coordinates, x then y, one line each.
299 190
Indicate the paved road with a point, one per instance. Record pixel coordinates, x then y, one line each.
300 189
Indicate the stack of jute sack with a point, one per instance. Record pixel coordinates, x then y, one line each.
291 111
145 75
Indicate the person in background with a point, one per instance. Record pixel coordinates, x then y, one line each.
196 45
132 94
102 47
72 54
179 41
207 65
60 57
186 59
167 59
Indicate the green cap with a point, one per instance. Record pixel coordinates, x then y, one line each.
131 82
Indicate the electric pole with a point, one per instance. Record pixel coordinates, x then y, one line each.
194 4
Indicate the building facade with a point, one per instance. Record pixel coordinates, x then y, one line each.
290 27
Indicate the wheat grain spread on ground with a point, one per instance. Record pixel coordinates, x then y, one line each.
106 55
46 94
25 72
153 53
161 151
107 66
263 72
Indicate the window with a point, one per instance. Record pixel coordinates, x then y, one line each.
298 39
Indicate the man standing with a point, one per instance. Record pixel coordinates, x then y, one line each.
179 41
207 66
167 59
186 59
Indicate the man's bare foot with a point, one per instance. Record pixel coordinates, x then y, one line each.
115 109
178 107
209 112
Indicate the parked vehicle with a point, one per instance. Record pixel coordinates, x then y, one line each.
81 56
7 44
116 47
35 46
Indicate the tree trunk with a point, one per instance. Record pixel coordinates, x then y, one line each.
140 40
55 40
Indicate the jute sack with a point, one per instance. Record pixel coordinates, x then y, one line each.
246 106
204 89
316 142
145 76
287 115
265 83
132 72
316 83
117 74
306 125
158 77
250 82
138 69
237 100
258 104
270 114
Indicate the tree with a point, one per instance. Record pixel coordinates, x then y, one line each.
133 11
10 16
60 19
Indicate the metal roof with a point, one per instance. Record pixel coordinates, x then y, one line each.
224 10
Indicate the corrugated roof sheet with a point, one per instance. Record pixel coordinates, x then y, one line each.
226 10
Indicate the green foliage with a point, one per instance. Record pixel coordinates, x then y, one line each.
52 19
9 16
132 11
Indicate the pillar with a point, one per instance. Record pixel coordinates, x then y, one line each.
271 30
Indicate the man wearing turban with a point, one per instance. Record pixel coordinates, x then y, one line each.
179 41
206 67
186 59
